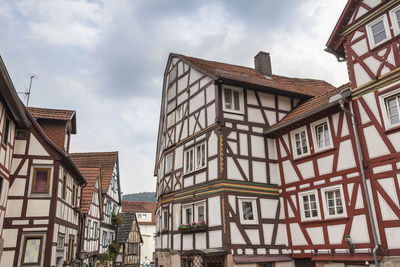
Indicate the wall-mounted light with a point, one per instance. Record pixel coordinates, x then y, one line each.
349 242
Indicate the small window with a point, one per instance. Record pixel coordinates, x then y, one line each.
248 211
88 234
378 31
390 103
41 180
233 99
71 246
178 113
104 239
200 212
168 163
132 249
195 158
64 187
6 129
300 142
309 205
108 207
60 242
395 16
32 250
321 134
187 214
334 205
111 235
95 229
165 219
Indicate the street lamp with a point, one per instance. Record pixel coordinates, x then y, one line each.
349 242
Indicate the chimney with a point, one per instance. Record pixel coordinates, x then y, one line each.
262 63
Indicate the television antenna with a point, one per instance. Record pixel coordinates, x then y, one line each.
27 92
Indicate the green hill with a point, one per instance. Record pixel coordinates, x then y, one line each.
143 196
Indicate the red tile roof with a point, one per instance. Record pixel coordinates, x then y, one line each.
52 114
309 87
103 160
91 175
140 206
308 107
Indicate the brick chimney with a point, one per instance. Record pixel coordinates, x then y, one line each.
262 63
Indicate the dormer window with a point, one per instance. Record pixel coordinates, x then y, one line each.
233 99
378 31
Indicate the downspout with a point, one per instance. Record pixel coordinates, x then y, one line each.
345 93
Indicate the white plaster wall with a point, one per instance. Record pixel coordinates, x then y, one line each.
214 209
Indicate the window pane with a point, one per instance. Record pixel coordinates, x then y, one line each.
379 32
236 100
200 213
398 17
314 213
378 27
247 208
307 214
40 185
32 249
228 98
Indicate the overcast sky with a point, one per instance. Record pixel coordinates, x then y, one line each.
105 59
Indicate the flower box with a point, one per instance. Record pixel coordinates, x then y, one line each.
193 227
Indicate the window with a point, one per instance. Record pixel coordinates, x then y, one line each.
60 241
300 142
6 128
111 235
104 239
165 219
89 234
32 250
187 214
178 113
395 16
170 119
321 135
195 157
95 229
75 190
309 205
168 163
390 103
233 99
41 180
132 248
248 211
71 246
108 207
378 31
199 212
64 188
333 203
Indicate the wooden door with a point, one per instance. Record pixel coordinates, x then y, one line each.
304 263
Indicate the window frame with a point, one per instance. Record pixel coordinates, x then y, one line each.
324 202
384 109
293 137
395 22
315 137
194 163
301 203
64 187
60 237
26 238
370 34
241 99
104 239
195 214
49 171
169 156
165 222
253 202
6 131
95 229
184 218
88 229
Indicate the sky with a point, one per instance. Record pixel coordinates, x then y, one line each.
105 59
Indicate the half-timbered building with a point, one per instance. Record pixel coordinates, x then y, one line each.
12 117
367 38
130 240
92 214
145 214
217 175
107 163
42 227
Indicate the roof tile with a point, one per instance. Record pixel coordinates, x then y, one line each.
53 114
91 175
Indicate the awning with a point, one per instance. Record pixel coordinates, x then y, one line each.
260 259
211 252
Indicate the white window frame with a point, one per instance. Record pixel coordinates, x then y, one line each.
88 229
196 212
324 202
315 137
293 134
194 164
60 241
184 208
395 23
95 229
370 34
168 157
301 202
384 110
253 202
241 99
